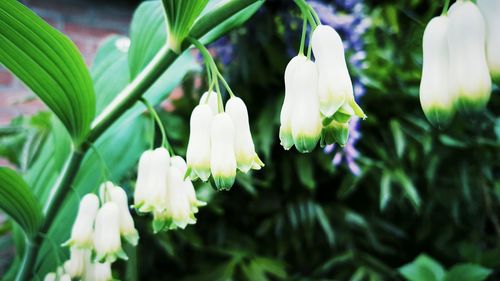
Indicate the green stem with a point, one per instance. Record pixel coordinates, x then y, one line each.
156 117
226 85
303 37
306 12
124 101
445 7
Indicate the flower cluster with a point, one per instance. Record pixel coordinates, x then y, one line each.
456 56
319 98
220 142
96 236
162 190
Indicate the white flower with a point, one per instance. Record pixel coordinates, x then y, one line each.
65 277
101 272
286 114
51 276
246 158
471 81
306 118
335 85
179 163
435 94
212 99
81 233
198 150
178 209
223 161
107 243
75 266
127 227
491 12
152 177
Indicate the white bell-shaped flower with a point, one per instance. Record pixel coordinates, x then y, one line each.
435 89
101 272
51 276
179 163
470 77
179 207
223 161
335 85
127 226
212 99
75 266
83 228
246 157
151 186
107 242
199 145
286 114
491 11
306 118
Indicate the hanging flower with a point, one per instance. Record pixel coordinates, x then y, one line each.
471 81
306 119
491 11
286 114
151 187
179 163
223 161
335 86
81 233
211 98
54 277
435 95
199 145
107 243
75 266
246 157
100 272
117 194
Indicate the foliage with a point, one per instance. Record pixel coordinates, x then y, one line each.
300 218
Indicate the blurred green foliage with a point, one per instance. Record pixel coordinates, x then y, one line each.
301 218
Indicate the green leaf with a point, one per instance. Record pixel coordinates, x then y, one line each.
305 171
227 25
409 189
181 16
18 202
148 33
467 272
399 139
385 189
423 268
49 64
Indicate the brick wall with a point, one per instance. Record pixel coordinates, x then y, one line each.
86 23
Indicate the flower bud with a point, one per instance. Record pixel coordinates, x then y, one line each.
212 99
306 119
151 186
335 85
81 233
471 81
246 157
491 11
75 266
435 95
179 163
127 227
198 150
223 161
107 243
288 103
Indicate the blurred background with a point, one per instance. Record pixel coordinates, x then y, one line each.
398 190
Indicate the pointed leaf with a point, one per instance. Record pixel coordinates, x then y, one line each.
467 272
423 268
49 64
18 202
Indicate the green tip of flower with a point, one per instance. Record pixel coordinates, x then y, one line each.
471 105
286 138
132 238
111 257
335 132
357 109
439 117
224 183
305 143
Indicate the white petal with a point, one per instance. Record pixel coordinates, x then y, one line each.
81 233
107 243
212 99
198 150
223 161
491 12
